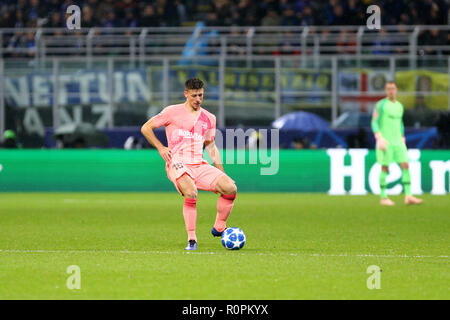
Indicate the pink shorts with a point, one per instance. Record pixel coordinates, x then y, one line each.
205 176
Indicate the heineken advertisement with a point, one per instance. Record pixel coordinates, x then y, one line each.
332 171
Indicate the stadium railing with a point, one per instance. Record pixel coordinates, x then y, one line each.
137 43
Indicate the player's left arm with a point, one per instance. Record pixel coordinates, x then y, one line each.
214 154
381 143
402 127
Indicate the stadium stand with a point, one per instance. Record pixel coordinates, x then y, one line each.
163 27
304 55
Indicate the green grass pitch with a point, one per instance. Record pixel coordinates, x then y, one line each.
299 246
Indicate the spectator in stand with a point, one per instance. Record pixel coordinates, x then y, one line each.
110 21
283 5
290 18
29 13
404 19
54 21
129 20
222 8
160 8
125 6
271 19
434 37
93 4
339 18
181 10
87 18
382 45
15 44
234 47
289 44
329 12
413 14
346 43
265 5
402 39
391 16
355 13
211 19
170 17
436 15
307 17
6 20
101 13
149 18
21 45
300 5
30 44
20 20
247 13
21 5
236 19
53 5
251 14
36 12
168 13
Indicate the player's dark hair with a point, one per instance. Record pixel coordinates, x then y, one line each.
193 84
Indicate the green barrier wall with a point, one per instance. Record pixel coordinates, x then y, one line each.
143 170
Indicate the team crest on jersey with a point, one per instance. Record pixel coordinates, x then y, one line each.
204 125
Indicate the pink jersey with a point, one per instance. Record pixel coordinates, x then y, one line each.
186 133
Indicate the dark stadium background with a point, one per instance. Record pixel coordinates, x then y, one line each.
28 26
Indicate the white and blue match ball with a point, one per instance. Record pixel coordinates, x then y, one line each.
233 238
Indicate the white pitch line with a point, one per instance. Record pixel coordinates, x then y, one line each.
71 201
212 253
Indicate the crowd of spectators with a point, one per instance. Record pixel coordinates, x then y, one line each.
173 13
139 13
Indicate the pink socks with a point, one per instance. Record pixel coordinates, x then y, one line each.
190 217
224 206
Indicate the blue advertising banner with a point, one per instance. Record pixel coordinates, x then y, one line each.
75 88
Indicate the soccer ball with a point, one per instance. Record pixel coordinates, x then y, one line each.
233 238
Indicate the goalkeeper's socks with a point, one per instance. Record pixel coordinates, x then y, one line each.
190 217
224 206
383 185
406 181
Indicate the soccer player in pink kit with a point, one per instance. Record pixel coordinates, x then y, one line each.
188 128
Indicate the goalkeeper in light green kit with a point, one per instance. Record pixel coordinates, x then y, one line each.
387 126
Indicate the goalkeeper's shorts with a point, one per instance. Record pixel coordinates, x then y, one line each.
393 153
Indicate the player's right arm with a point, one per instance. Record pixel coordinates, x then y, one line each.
375 124
147 130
